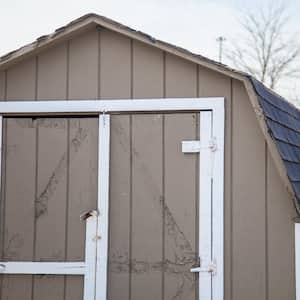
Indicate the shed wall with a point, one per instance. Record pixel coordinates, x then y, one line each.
258 211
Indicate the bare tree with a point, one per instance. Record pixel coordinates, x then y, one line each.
265 49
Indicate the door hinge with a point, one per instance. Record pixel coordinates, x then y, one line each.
196 146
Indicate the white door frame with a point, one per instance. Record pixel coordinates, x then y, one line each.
211 199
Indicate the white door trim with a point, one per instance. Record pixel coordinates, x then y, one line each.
103 108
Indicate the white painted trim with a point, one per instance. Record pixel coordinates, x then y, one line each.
97 106
214 105
103 206
90 256
58 268
205 207
297 259
218 131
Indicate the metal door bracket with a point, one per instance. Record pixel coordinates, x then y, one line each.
196 146
209 268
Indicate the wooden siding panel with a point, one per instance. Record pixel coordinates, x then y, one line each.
181 77
180 207
21 80
19 146
120 194
248 210
115 82
19 204
148 71
52 73
83 66
51 201
213 84
115 65
2 85
281 260
146 234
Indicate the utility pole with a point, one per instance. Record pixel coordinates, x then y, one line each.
221 40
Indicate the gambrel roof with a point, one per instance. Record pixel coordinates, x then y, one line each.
278 119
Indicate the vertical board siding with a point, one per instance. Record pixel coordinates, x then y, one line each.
20 171
119 215
248 210
115 82
52 73
181 77
83 66
212 84
147 71
52 164
180 81
180 207
146 223
2 85
147 82
115 65
281 260
50 203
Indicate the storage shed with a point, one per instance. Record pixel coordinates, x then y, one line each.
133 169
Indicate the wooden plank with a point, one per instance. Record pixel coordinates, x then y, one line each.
180 81
115 65
83 66
118 271
146 215
281 260
213 84
52 73
248 202
51 201
52 168
83 83
146 230
20 150
115 82
181 77
82 186
19 237
2 85
148 71
21 80
181 205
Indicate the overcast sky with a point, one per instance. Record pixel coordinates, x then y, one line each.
193 24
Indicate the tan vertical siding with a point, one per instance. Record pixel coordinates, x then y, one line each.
248 201
20 143
280 214
51 198
180 81
115 82
2 85
83 66
52 73
147 71
115 65
212 84
181 77
147 81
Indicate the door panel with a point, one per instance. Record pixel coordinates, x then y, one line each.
50 171
153 207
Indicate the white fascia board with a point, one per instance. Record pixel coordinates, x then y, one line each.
98 106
